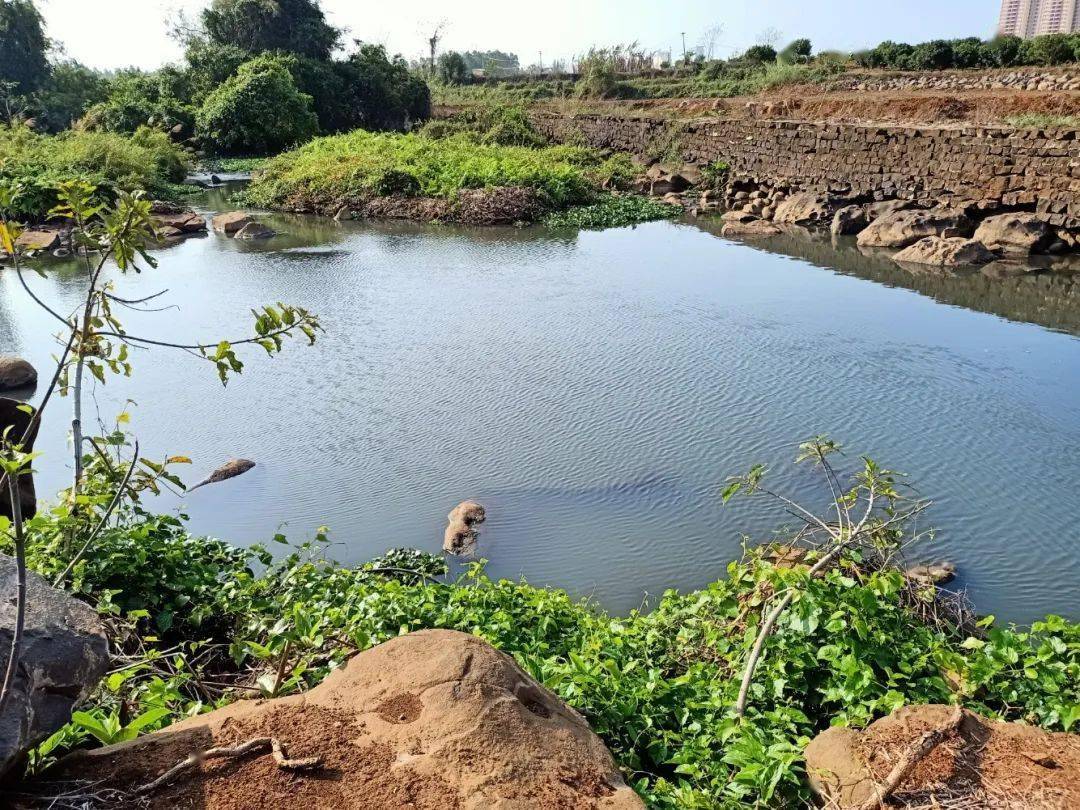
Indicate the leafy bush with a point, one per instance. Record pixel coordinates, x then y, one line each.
332 170
760 53
146 160
491 123
293 26
658 687
259 110
136 99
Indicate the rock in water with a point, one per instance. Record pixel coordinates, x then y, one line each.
903 228
1015 234
64 655
13 416
939 573
849 220
802 208
231 222
432 719
983 759
942 252
230 469
255 230
750 227
461 534
16 373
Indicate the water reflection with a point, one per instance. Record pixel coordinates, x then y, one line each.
1043 290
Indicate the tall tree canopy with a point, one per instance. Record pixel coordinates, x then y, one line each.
295 26
23 45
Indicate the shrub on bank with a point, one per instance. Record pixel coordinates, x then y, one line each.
658 687
349 168
146 160
259 110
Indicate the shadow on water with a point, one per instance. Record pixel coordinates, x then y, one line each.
1044 291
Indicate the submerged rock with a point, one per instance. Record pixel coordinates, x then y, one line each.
946 252
432 719
461 533
16 373
975 765
903 228
64 654
255 230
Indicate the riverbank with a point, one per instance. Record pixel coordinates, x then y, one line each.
657 686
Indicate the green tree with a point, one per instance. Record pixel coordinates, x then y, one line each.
209 64
452 68
760 53
260 110
296 26
23 46
1049 49
934 55
71 89
970 52
797 52
1003 51
137 99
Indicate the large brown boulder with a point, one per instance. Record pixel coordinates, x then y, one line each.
183 222
977 765
431 720
230 222
903 228
64 654
849 220
16 373
804 207
1017 234
39 239
940 251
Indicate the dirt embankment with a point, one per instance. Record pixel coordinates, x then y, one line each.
813 103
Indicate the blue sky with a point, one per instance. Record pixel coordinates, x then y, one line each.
117 33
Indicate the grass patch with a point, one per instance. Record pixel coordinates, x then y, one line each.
349 168
612 212
1044 121
146 160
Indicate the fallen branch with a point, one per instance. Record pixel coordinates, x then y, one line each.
916 754
259 744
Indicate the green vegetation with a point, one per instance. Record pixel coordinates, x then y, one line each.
38 163
659 687
612 212
354 167
225 83
259 110
1043 120
972 52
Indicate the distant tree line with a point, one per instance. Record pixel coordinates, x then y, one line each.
972 52
257 77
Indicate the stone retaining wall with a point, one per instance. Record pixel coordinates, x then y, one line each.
1019 79
987 167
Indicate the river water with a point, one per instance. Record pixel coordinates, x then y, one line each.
594 390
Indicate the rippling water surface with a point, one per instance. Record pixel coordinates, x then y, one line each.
593 391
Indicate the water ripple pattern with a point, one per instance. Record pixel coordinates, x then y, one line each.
593 392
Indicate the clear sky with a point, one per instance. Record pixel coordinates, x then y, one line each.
119 33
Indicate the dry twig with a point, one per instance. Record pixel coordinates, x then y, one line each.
259 744
914 755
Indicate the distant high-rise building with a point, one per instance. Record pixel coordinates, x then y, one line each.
1031 18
